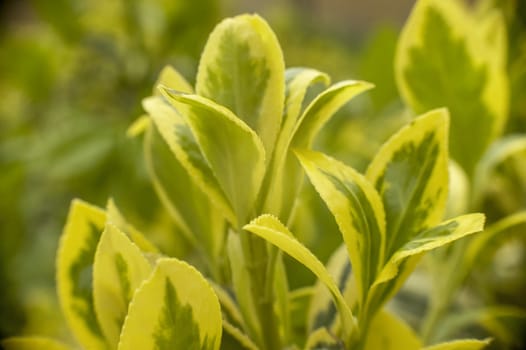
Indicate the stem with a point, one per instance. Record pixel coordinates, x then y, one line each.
260 267
431 320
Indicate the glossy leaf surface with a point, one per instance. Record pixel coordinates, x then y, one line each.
410 173
119 269
233 150
358 210
242 69
181 141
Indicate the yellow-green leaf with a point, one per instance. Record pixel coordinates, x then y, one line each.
233 150
297 82
387 332
358 210
242 69
175 309
119 269
447 56
33 343
410 172
178 135
467 344
75 258
270 229
193 211
445 233
321 109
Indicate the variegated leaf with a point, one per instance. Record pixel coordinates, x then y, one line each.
233 150
467 344
33 343
119 269
447 56
435 237
195 214
387 332
297 82
410 173
270 229
358 210
321 109
175 309
242 69
317 113
181 141
75 258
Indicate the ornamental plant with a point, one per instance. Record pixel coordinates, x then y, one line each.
227 159
441 40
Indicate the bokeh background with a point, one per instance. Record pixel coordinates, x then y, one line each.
72 76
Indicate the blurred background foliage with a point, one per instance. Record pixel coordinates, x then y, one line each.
74 72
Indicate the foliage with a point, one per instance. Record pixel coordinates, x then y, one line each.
227 159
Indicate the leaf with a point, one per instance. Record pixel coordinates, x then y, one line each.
323 107
196 216
449 57
297 82
410 173
242 69
119 269
115 217
236 154
270 229
445 233
75 258
467 344
499 151
174 309
322 312
358 210
177 134
32 343
387 332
